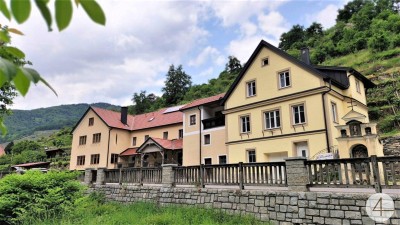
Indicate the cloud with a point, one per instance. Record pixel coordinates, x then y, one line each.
209 55
326 17
273 24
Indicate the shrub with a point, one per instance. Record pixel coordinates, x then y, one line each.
37 194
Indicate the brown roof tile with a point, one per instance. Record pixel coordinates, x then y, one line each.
129 151
203 101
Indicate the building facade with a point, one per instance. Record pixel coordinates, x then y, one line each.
281 107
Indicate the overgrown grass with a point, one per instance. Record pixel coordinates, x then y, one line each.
92 212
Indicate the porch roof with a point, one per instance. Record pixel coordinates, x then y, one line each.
129 151
163 144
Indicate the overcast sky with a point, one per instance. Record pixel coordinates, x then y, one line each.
88 63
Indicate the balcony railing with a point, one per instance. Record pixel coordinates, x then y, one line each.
214 122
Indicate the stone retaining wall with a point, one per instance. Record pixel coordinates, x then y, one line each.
280 207
391 146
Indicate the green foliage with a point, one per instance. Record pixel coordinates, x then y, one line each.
176 85
25 146
143 103
89 211
37 194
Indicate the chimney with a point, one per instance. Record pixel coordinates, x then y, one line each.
305 55
124 115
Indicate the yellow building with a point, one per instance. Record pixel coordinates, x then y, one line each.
104 139
204 133
280 107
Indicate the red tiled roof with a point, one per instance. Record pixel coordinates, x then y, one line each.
203 101
169 144
129 151
138 122
33 164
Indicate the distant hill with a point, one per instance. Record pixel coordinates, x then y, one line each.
23 123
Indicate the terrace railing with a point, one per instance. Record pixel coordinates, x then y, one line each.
133 175
187 175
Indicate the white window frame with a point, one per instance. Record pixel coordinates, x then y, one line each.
245 126
195 119
204 139
263 61
286 78
299 116
248 155
251 89
275 119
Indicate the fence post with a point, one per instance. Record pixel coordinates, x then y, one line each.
377 177
120 176
88 176
168 175
100 176
241 181
202 175
141 176
297 174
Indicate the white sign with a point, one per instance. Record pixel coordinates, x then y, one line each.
325 156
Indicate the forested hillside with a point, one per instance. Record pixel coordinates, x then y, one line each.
25 122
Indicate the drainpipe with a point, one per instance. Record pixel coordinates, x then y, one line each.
199 133
108 148
324 110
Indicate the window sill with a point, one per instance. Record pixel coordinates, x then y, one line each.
299 124
272 129
280 88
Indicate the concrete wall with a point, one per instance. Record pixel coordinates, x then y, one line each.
280 207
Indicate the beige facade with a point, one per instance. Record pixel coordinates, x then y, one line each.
289 108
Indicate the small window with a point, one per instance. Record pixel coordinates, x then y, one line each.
368 131
146 137
272 119
82 140
95 159
222 159
116 139
343 133
134 141
284 79
207 161
264 62
80 160
96 138
299 116
358 88
334 112
114 158
180 133
251 88
165 135
251 156
245 124
91 121
192 120
207 139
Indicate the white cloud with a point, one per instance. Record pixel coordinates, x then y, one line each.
273 24
210 55
326 17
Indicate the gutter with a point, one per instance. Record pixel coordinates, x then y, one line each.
324 110
198 107
108 147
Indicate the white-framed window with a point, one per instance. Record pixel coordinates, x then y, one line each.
245 124
299 115
251 88
192 120
264 61
358 88
272 119
334 112
222 159
251 156
284 79
207 139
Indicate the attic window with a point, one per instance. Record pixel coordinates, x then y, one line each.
151 119
91 121
264 62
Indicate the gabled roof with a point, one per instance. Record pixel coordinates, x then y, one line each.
135 122
310 68
203 101
163 144
129 151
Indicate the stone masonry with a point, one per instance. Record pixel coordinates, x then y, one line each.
280 207
391 146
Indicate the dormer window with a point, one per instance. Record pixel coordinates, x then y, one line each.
284 79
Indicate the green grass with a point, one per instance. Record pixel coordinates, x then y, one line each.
89 212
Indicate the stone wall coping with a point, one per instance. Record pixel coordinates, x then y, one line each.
169 165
